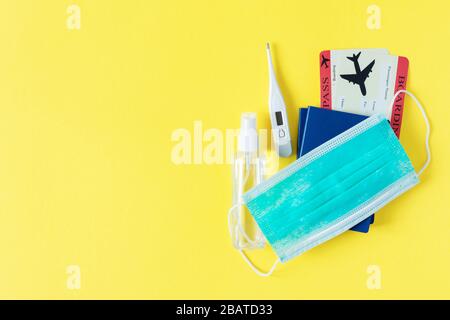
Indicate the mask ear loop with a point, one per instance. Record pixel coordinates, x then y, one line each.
427 123
255 269
241 251
233 214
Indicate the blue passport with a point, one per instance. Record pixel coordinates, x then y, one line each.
316 126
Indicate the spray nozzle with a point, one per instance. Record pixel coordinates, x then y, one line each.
248 137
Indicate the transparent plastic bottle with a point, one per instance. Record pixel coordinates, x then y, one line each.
247 171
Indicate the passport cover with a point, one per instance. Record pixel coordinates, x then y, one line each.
317 126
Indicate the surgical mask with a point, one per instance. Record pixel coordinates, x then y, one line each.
332 188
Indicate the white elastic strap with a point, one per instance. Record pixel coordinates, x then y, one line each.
239 224
254 268
241 251
237 217
427 123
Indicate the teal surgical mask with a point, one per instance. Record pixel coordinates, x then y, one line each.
332 188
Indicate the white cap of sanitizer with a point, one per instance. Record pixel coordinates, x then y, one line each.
248 137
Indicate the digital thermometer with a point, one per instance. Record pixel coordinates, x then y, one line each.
278 115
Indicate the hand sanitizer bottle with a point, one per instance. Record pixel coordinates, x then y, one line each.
247 171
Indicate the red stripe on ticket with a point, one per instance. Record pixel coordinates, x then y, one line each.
325 80
400 84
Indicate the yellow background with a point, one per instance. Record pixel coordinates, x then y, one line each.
86 176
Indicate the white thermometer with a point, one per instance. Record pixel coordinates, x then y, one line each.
278 115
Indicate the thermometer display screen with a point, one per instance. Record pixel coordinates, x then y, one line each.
279 118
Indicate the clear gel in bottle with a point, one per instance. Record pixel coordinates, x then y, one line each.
247 171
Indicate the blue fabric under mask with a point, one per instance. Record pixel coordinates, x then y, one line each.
332 188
